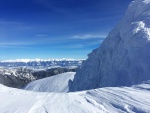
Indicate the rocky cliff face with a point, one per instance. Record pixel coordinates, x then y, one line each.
123 58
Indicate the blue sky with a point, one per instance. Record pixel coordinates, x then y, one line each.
56 28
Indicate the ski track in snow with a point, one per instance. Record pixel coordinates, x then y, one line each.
133 99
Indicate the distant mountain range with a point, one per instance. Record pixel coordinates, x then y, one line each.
18 73
19 77
39 63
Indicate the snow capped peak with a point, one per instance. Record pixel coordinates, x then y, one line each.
137 8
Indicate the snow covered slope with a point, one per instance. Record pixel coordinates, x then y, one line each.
124 56
104 100
57 83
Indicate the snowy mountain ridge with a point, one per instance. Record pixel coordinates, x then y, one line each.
41 63
40 60
123 59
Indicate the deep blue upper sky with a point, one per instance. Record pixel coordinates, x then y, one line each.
56 28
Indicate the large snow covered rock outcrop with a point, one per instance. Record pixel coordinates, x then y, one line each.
124 56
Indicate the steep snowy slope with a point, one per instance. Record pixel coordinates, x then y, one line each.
105 100
57 83
124 56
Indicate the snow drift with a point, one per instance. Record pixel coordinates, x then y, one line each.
57 83
124 56
104 100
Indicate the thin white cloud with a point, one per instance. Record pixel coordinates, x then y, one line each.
50 41
98 42
7 46
33 42
15 43
89 36
10 22
41 35
76 46
50 5
15 25
101 19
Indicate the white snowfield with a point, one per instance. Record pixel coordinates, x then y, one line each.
57 83
134 99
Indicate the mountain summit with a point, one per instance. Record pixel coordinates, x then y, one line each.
123 59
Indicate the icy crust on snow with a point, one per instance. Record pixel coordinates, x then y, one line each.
104 100
57 83
124 56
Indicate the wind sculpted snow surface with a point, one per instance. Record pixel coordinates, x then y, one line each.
123 59
104 100
57 83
